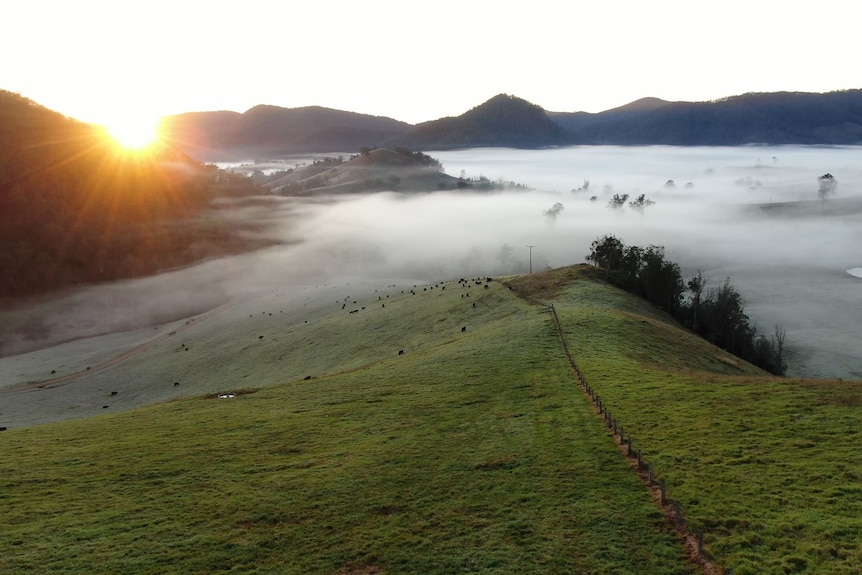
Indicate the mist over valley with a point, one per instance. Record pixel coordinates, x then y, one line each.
587 302
747 213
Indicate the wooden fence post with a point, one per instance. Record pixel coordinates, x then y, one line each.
663 491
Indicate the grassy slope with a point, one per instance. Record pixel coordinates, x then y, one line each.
473 452
769 467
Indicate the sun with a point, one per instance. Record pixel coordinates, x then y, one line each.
132 133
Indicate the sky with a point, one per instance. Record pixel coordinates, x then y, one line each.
104 61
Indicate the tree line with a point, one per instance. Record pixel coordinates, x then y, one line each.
716 313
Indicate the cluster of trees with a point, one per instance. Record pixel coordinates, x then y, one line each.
639 204
416 158
717 313
76 209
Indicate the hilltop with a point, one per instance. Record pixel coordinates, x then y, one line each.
370 171
502 121
429 428
375 170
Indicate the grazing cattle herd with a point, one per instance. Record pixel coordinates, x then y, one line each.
270 340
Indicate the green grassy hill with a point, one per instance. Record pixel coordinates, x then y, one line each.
768 467
474 451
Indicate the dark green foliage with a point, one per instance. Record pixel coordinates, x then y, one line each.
718 315
606 252
722 320
660 280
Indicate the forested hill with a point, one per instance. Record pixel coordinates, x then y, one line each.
76 209
270 131
502 121
764 118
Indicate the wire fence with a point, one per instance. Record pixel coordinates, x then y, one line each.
673 508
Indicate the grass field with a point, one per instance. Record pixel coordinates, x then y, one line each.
475 451
768 467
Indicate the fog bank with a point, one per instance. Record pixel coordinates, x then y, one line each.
790 264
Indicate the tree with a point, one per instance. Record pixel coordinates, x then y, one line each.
660 279
828 185
583 188
631 263
606 252
725 324
618 201
640 203
778 347
554 211
696 284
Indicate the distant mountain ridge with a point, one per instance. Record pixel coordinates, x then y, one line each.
754 118
833 118
273 130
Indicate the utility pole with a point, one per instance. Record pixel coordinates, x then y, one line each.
531 258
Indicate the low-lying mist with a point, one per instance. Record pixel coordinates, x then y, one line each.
788 261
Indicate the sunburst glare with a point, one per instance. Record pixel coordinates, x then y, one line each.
133 133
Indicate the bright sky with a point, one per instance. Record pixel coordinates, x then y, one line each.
415 61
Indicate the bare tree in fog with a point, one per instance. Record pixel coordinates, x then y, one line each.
552 213
828 185
618 201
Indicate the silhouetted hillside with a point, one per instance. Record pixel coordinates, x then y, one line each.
75 209
767 118
270 131
505 121
508 121
381 169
